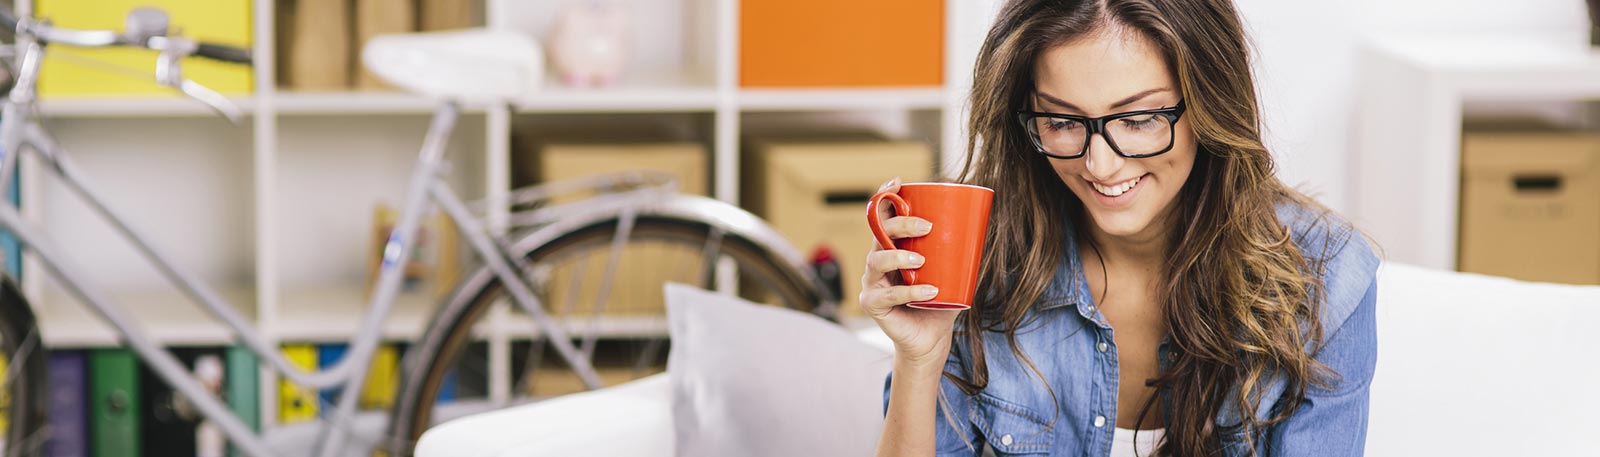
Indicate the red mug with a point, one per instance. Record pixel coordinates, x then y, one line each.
953 250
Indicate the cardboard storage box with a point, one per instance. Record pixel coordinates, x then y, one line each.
636 288
815 191
1530 206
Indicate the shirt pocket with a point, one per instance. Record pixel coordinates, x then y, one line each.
1010 428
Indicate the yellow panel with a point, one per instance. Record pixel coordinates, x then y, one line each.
71 71
297 403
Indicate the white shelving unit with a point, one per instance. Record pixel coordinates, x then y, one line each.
1413 94
276 213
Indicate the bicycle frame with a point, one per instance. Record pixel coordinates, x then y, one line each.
21 132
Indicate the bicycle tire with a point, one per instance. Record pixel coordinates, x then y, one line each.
27 411
450 330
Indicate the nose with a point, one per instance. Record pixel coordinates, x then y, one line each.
1101 161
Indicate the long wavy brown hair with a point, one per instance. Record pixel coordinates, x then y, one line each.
1241 299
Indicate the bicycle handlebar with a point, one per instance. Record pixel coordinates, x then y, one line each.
155 39
223 53
50 34
144 28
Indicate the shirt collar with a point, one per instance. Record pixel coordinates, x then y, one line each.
1068 287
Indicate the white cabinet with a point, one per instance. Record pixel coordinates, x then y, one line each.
1408 124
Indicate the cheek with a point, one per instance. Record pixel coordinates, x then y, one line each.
1064 167
1181 158
1067 168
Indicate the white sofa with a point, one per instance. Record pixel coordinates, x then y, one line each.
1472 365
1468 365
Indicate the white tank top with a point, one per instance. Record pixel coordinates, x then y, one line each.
1123 445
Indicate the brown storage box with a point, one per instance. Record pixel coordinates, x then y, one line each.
1530 206
636 288
814 192
314 43
437 15
379 17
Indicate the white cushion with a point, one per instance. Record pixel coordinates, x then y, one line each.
1472 365
751 379
632 419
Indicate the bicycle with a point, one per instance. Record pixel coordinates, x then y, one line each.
620 210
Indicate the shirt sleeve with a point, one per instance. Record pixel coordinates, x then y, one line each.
1332 421
954 432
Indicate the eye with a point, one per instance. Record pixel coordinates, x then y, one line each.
1056 125
1139 122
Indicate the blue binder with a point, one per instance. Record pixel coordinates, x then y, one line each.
69 405
327 356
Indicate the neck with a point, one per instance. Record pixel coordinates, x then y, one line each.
1139 249
1145 250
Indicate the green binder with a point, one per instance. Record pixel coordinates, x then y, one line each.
114 403
244 388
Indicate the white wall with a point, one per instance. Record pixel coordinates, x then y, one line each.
1306 62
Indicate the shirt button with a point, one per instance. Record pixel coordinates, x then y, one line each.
1005 440
1099 421
1102 346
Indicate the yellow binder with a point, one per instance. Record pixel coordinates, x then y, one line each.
71 71
382 379
5 396
297 403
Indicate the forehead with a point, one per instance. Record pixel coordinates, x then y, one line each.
1101 68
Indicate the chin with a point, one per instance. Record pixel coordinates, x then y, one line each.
1120 224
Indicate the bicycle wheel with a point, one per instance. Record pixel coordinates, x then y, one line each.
775 269
23 390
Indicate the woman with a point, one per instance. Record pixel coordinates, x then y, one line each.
1146 277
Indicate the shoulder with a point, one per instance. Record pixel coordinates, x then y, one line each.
1337 252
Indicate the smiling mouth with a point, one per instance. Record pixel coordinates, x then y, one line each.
1116 189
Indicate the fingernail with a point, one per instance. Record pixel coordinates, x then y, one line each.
923 226
915 259
927 292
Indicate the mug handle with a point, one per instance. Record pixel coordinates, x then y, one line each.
901 208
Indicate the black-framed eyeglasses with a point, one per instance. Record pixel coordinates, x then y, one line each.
1134 134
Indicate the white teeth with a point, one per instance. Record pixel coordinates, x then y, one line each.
1117 190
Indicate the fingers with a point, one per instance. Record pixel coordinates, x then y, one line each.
880 262
878 301
877 295
903 227
907 227
892 186
900 226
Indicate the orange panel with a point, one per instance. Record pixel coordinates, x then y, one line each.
821 43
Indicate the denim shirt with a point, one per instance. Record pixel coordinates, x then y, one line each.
1071 344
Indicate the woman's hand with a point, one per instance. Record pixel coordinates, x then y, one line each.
921 336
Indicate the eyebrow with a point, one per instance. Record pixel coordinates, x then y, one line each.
1120 103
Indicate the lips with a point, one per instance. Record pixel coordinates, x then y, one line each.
1116 189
